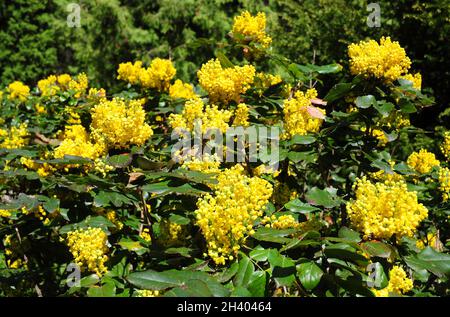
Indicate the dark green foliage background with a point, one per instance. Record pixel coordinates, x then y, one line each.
34 36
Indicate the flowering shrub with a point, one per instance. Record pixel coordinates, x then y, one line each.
347 202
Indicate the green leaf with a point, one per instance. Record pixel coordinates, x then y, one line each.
320 197
261 255
224 61
377 277
257 285
430 260
134 246
297 206
154 280
199 288
375 248
244 273
309 274
349 234
365 101
302 139
120 161
329 69
407 106
241 291
273 235
106 290
283 269
384 108
338 91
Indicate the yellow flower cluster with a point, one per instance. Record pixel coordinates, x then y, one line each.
399 283
5 213
225 84
43 169
40 214
206 117
416 79
282 193
445 147
422 161
226 218
89 247
241 116
80 85
281 222
182 90
101 167
14 260
145 234
95 94
172 234
77 143
147 293
18 90
264 169
431 240
297 118
386 60
268 80
205 164
15 137
158 75
386 208
444 182
252 28
120 123
52 84
111 215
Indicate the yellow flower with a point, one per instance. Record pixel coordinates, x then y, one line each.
431 240
282 193
182 90
399 283
130 72
64 80
226 217
145 234
77 143
297 118
15 137
48 86
206 117
416 79
281 222
43 169
172 234
147 293
158 75
385 208
18 90
444 182
40 109
206 164
5 213
423 161
445 147
80 85
225 84
241 116
387 60
120 123
95 94
251 28
89 248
